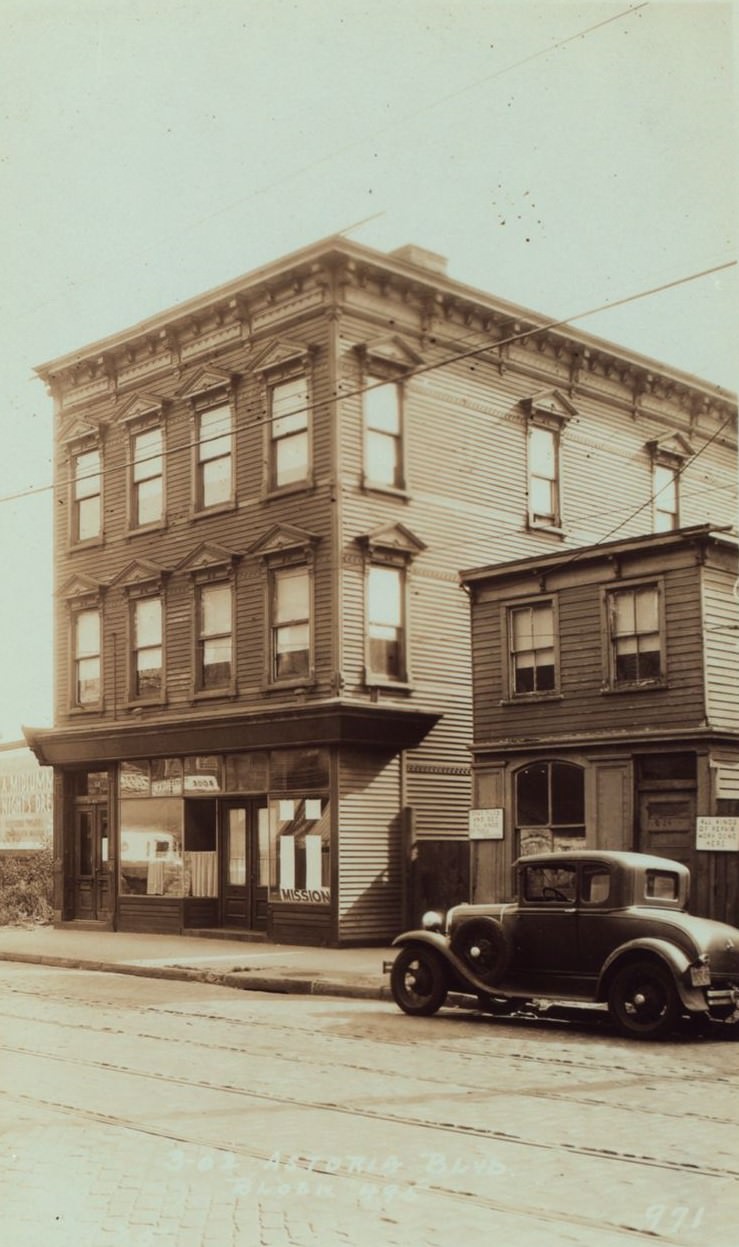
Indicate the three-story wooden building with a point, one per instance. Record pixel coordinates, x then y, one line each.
263 500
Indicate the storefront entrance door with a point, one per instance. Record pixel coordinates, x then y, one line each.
92 896
667 826
245 873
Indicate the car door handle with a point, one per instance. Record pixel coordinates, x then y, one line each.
570 911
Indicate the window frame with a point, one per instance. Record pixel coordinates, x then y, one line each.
140 429
553 428
136 697
212 402
77 451
659 511
375 380
77 610
509 609
277 573
611 684
274 381
202 690
374 676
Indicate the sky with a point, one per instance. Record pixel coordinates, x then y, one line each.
560 155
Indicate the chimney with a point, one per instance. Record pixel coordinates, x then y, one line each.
421 258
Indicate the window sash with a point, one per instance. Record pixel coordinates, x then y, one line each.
665 499
531 633
291 623
289 431
87 489
87 665
215 456
215 640
385 622
635 634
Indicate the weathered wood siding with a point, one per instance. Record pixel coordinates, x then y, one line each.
721 639
370 846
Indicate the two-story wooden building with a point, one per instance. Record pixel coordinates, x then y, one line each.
606 707
263 500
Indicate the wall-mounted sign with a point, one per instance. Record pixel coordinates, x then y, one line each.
721 835
486 824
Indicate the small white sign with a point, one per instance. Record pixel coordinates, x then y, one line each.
286 810
313 808
720 835
486 824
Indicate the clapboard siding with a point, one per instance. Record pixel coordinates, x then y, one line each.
370 846
721 632
163 917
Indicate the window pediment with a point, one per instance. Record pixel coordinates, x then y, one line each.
140 574
81 434
140 407
285 540
207 381
390 353
670 451
283 356
392 540
550 408
82 591
209 559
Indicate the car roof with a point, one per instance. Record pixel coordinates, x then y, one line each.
642 861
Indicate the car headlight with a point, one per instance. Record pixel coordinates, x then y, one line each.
432 920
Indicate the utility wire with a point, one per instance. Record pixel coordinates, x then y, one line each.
419 370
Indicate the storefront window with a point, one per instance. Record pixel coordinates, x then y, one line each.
166 777
135 779
203 774
151 847
299 835
247 772
298 768
201 858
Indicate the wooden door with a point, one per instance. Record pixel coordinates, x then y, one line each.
92 890
245 874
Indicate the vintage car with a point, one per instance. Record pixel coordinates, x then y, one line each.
599 927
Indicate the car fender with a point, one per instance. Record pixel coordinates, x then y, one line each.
673 957
459 971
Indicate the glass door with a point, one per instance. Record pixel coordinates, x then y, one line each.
246 864
92 891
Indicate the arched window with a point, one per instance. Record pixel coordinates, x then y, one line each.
550 798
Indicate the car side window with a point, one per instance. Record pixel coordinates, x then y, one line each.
550 884
596 885
662 885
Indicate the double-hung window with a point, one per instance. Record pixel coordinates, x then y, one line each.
666 517
87 658
383 464
147 668
532 649
147 468
635 637
290 640
215 636
544 482
86 493
289 439
214 456
386 649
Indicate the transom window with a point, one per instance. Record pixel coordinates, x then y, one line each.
531 632
147 647
214 456
87 681
290 623
215 636
147 477
289 432
383 440
386 621
634 635
87 485
543 465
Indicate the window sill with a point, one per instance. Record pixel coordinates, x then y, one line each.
303 684
146 703
215 694
284 491
392 491
92 543
638 686
86 711
538 526
372 681
526 699
221 508
158 527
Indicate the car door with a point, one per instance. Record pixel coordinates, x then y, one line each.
545 934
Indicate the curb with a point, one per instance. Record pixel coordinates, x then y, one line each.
239 980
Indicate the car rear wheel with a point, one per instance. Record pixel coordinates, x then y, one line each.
482 945
418 981
643 1001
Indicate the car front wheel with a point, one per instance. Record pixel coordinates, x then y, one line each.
643 1001
418 981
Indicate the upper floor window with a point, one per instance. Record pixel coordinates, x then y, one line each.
147 469
386 622
544 476
289 443
87 658
532 655
383 434
87 489
215 636
290 628
666 515
635 635
214 462
147 669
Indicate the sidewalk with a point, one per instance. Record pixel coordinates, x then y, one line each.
287 968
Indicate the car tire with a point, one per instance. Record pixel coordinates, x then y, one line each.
643 1000
482 944
418 981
